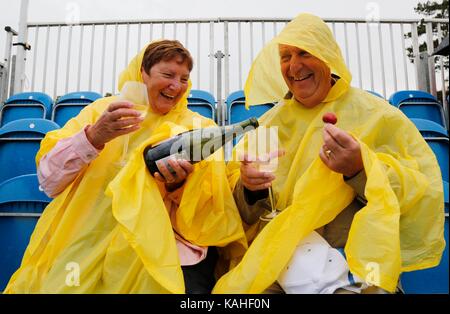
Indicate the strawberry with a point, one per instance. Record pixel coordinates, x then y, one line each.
329 117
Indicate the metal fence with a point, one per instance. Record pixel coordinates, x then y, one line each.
91 55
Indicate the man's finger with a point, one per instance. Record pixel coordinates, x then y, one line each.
341 137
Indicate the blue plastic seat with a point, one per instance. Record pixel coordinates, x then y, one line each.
410 95
203 103
437 138
429 128
21 204
19 143
440 147
70 105
236 108
418 104
446 204
431 280
26 105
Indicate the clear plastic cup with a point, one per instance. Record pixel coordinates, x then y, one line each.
135 93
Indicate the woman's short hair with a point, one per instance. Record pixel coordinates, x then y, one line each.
165 50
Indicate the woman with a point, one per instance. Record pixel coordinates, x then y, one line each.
370 184
112 227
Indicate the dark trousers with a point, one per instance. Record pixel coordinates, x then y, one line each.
199 278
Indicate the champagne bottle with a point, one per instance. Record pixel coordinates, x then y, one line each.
195 145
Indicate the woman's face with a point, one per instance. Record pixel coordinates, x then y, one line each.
166 84
308 78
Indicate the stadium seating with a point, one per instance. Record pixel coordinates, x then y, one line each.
68 106
237 111
431 280
19 143
203 103
418 104
437 138
26 105
21 204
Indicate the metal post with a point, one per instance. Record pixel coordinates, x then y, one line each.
221 112
423 77
21 48
7 65
431 70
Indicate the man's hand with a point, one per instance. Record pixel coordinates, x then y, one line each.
340 151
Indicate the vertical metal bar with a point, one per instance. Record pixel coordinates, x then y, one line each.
405 69
415 43
58 44
251 42
240 55
346 45
151 31
198 55
211 57
274 29
7 84
36 42
80 56
102 73
44 71
113 87
127 46
69 51
139 37
91 62
358 44
221 111
186 38
175 30
163 30
443 87
227 60
369 41
333 26
19 76
431 67
394 64
383 79
263 33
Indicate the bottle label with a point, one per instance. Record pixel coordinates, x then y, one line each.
165 161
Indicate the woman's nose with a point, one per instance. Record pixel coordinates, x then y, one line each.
175 85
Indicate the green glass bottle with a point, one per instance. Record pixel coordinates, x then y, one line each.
195 145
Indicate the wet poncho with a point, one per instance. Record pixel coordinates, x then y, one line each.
400 228
109 230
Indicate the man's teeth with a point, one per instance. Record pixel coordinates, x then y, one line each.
302 77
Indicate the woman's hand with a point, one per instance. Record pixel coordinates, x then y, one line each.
117 120
340 151
172 181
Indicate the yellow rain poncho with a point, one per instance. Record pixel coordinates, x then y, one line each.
123 242
400 228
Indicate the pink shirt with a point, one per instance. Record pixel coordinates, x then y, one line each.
60 166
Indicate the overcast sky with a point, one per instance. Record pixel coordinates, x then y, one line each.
88 10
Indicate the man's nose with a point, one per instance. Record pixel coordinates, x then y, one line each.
296 64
